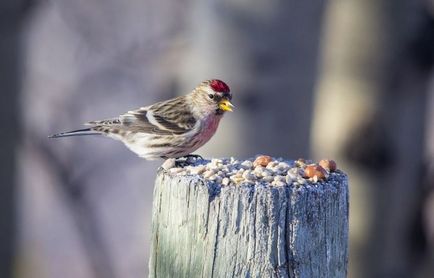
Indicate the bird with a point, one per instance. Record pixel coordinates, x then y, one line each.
168 129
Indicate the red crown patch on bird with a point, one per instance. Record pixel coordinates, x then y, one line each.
219 86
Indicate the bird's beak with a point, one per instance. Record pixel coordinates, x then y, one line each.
225 105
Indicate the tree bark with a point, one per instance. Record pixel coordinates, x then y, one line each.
202 229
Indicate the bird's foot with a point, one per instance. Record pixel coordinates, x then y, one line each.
180 161
196 156
187 160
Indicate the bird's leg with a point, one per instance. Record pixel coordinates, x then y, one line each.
185 160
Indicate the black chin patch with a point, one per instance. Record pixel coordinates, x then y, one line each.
219 111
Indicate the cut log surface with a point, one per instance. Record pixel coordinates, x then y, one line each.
202 228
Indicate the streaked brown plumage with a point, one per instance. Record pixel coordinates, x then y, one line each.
167 129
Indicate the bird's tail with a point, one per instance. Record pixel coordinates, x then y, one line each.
78 132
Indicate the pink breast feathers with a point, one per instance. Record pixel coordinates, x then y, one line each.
209 129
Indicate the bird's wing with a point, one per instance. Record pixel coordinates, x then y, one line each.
106 122
163 118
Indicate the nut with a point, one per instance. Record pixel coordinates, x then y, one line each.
329 165
313 170
262 160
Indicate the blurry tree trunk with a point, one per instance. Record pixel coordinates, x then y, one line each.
405 102
87 60
11 17
267 52
373 92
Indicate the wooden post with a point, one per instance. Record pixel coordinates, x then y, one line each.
203 229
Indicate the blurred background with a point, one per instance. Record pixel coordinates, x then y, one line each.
349 80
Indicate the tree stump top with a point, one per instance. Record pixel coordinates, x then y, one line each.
262 171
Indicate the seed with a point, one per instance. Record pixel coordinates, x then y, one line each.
272 165
268 178
293 173
279 171
225 181
283 166
168 164
301 181
176 170
262 160
197 170
289 179
258 171
259 168
246 164
300 162
266 173
278 183
208 173
216 163
238 181
279 178
249 176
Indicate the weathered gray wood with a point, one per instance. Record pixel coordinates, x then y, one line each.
203 230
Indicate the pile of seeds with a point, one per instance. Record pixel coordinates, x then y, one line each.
263 169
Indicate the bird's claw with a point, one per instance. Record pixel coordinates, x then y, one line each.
193 156
187 160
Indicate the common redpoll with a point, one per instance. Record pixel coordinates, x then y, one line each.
167 129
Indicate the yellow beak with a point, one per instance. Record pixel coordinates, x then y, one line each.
225 105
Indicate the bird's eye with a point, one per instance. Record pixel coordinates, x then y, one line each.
211 96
